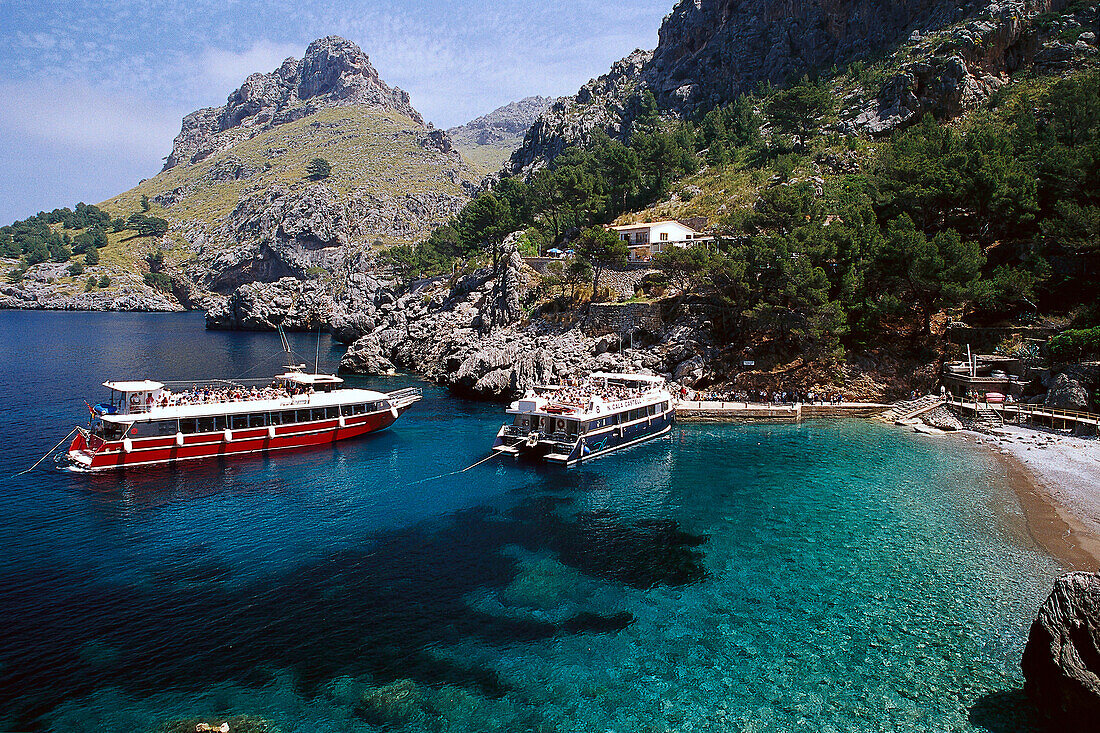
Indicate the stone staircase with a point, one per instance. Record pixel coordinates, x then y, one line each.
986 419
908 409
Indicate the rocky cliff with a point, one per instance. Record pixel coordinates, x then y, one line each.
334 71
489 140
1061 662
941 55
242 207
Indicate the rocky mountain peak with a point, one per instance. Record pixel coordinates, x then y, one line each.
334 71
711 51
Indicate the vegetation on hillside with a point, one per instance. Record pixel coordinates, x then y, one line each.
998 215
49 236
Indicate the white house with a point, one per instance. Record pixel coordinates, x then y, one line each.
650 238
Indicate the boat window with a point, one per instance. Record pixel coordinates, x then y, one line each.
274 418
571 427
664 407
111 431
257 420
347 410
239 422
332 412
287 417
652 409
301 416
358 409
204 425
162 427
521 421
318 414
221 422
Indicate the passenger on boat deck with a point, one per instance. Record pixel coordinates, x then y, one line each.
214 395
583 396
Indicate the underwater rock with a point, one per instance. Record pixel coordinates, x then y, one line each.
233 724
1061 662
542 585
402 701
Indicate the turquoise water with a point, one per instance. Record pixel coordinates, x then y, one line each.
829 576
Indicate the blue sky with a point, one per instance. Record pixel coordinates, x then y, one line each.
93 93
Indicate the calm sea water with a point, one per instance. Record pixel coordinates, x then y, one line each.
830 576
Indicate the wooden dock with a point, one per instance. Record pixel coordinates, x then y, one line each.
1021 413
693 411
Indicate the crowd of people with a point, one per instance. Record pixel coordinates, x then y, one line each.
582 393
763 396
230 393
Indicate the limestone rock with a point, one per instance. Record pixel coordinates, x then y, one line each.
1069 390
503 125
1061 662
333 71
711 51
941 419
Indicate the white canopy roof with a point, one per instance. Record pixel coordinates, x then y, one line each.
303 378
144 385
628 377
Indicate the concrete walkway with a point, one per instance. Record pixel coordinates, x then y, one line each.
688 410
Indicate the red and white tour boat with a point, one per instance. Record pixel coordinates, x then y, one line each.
148 423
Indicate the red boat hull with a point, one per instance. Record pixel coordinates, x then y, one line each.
91 453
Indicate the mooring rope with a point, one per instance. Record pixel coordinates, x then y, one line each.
455 473
48 453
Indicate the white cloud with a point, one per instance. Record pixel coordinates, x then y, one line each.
221 71
73 115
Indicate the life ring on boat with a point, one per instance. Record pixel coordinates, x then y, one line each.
271 431
179 439
228 435
135 399
127 445
532 440
341 422
561 426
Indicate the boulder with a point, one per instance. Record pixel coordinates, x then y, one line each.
1061 661
941 419
1069 390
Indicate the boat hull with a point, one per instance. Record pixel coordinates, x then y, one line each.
92 454
588 447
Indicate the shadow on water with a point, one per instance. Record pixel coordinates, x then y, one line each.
375 611
1006 712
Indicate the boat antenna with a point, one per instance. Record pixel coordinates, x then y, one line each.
286 344
317 350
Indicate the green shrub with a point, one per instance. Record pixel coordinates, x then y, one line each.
104 281
1076 345
90 285
76 268
159 280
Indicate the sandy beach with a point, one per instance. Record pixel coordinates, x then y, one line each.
1057 478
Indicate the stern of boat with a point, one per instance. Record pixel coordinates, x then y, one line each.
81 452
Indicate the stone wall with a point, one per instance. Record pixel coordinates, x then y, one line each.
605 318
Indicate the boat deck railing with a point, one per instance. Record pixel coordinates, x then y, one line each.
410 394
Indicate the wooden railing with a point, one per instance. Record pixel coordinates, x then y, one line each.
1024 408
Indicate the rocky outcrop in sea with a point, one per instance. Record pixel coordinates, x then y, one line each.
1061 662
476 335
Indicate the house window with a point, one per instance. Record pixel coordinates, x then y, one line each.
664 236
